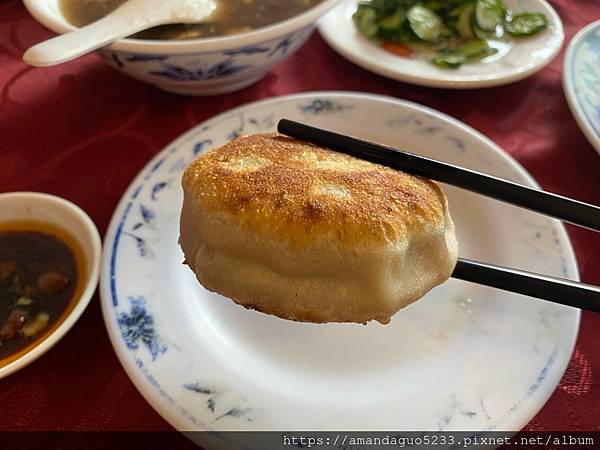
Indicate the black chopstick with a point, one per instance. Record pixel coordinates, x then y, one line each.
569 210
557 290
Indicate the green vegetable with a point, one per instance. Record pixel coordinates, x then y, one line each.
481 34
489 14
465 18
458 31
476 48
365 20
393 21
526 24
450 60
434 5
426 24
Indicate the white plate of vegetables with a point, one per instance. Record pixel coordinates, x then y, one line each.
461 44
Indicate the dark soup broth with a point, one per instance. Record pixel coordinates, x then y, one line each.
230 17
39 284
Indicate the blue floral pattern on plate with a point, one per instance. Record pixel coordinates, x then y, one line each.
225 403
137 327
323 106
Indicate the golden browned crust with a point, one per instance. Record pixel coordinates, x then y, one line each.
279 186
308 234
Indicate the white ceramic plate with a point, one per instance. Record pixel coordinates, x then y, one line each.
581 81
463 357
517 59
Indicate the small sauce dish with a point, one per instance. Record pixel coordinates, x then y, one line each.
49 267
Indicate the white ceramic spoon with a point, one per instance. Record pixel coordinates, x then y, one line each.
129 18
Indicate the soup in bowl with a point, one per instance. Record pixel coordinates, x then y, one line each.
233 49
230 17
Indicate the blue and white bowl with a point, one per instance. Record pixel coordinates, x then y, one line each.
198 66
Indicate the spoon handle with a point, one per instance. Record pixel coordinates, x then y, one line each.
129 18
69 46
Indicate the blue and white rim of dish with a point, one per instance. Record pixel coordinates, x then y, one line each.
581 80
136 328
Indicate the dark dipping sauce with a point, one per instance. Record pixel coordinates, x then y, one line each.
38 282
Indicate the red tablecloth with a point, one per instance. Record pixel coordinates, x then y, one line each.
83 131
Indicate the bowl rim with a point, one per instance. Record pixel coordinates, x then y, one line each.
59 24
91 282
569 84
